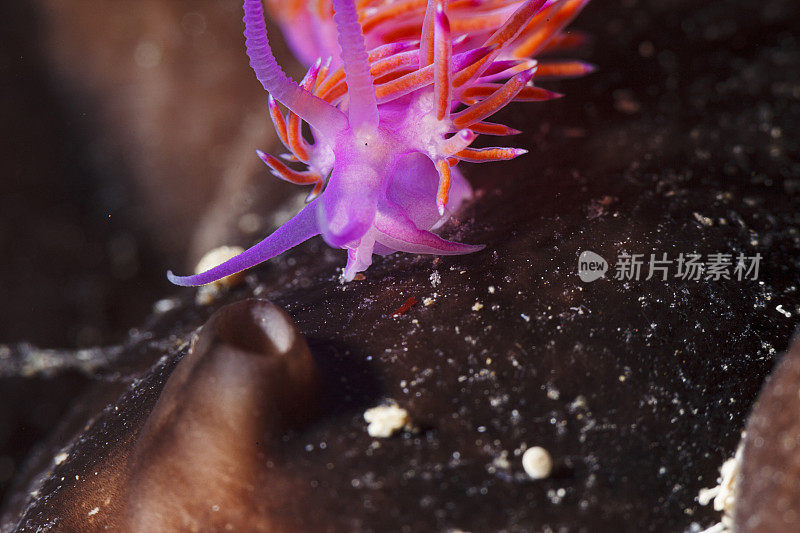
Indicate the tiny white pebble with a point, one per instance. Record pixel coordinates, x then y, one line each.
537 462
94 511
477 307
385 420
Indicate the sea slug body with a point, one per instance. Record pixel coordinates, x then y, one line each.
391 117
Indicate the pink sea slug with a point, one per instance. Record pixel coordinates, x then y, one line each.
391 117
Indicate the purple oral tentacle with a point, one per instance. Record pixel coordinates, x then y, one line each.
397 231
298 229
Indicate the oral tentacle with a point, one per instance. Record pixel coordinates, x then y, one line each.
298 229
397 231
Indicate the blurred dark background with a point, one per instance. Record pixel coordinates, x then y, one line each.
117 121
72 246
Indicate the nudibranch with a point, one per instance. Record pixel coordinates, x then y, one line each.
391 117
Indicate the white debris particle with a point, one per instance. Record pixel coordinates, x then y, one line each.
784 312
436 279
557 495
165 305
491 289
385 420
724 494
477 306
501 461
206 295
537 462
427 301
525 317
552 392
60 458
93 511
578 403
705 221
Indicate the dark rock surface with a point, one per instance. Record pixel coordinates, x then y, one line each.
683 142
194 455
